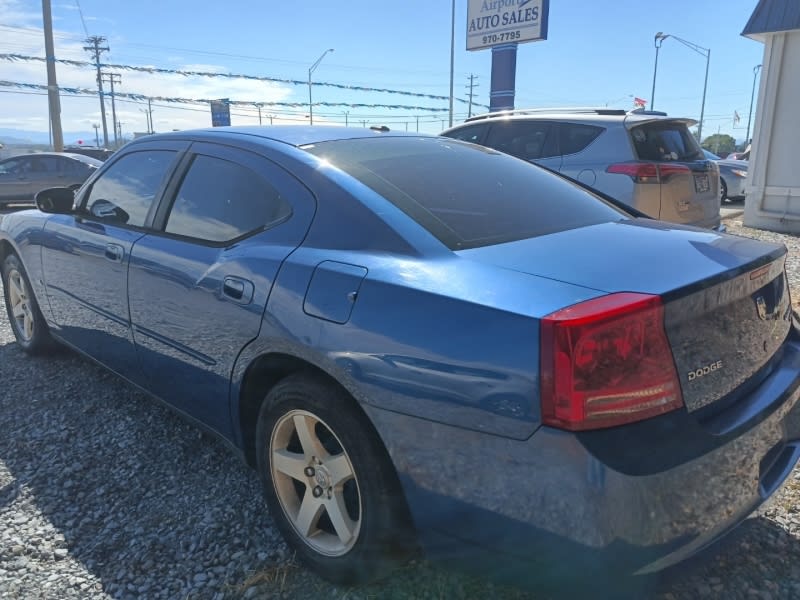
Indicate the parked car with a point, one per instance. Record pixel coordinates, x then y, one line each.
312 295
644 159
21 177
732 176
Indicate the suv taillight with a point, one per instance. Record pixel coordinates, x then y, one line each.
607 362
644 172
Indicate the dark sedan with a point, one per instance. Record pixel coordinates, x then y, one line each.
419 342
21 177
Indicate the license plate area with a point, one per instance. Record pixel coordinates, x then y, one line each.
701 183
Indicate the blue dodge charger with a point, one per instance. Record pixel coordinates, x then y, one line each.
421 343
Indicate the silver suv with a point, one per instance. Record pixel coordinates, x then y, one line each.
644 159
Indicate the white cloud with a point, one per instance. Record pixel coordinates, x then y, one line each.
21 33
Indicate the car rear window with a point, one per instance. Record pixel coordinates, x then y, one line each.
467 196
665 142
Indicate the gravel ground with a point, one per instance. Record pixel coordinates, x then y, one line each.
106 494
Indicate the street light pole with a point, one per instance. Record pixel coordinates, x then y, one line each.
702 52
310 71
657 41
752 95
703 103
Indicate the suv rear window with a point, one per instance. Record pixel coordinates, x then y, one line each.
466 196
665 142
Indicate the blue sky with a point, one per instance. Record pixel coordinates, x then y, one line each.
597 53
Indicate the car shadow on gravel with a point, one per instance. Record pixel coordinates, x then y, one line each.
106 493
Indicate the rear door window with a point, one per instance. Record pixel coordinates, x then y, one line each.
464 195
219 201
473 133
574 137
528 140
665 141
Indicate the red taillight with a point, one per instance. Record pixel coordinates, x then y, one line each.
607 362
644 172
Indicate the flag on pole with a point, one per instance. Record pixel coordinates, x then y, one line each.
639 102
736 117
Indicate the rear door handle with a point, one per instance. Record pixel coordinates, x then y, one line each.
114 252
238 289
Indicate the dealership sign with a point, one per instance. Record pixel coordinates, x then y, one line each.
494 22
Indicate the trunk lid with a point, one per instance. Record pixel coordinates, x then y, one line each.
727 306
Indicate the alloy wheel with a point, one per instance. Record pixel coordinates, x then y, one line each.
315 483
21 309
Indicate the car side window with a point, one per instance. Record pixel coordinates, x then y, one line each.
124 193
12 167
528 140
472 134
220 201
576 136
44 165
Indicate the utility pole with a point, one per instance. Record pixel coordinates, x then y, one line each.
471 87
112 79
95 49
96 134
258 106
452 55
346 123
53 100
417 123
119 129
150 129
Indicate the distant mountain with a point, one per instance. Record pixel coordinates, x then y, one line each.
21 137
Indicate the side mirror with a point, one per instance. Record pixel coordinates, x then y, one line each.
59 201
108 211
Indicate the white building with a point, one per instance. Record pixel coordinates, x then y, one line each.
773 188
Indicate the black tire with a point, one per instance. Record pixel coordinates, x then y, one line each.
384 537
38 339
723 189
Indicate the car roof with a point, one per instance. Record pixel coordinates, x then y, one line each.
65 154
294 135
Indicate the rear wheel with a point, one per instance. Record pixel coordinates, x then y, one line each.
329 483
723 189
26 319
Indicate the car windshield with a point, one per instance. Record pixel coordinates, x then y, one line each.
665 141
711 155
464 195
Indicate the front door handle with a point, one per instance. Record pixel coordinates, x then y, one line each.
114 252
238 289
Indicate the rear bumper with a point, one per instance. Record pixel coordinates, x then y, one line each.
631 501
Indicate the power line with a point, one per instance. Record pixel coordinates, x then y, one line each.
163 71
83 22
143 97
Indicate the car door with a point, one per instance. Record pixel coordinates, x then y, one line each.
85 255
198 288
45 173
15 183
532 140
